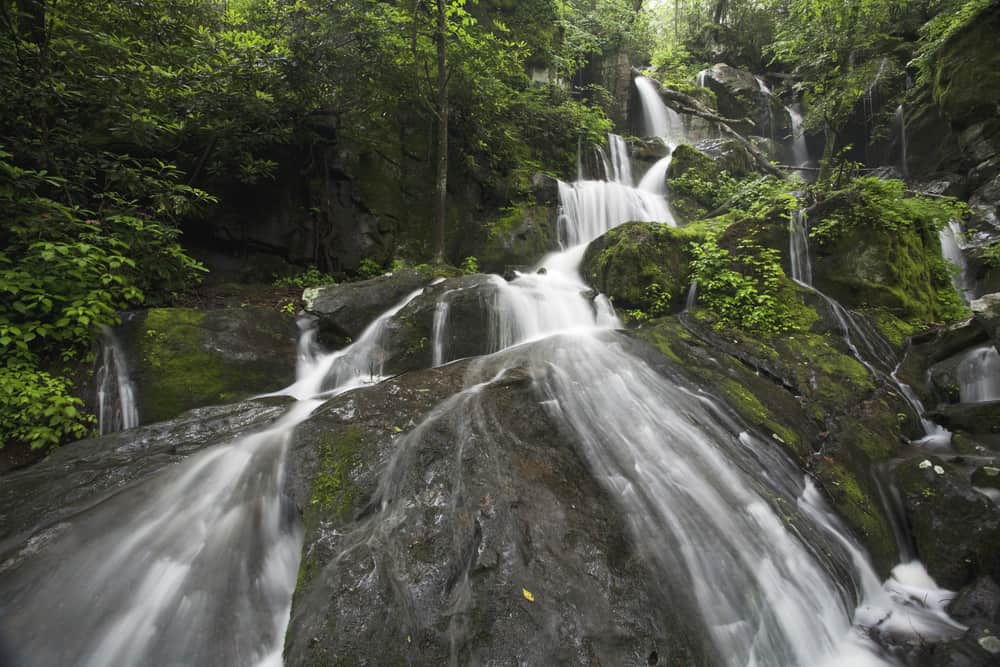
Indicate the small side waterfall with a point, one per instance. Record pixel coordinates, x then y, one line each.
900 117
116 404
952 249
658 119
800 149
768 111
979 375
855 332
798 247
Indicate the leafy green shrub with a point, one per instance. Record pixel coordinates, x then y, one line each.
659 304
368 268
38 408
470 265
742 288
311 277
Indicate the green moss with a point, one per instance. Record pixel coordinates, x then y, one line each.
642 266
333 492
184 373
893 329
753 411
862 512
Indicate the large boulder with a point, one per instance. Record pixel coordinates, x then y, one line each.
183 358
486 545
956 530
641 266
346 309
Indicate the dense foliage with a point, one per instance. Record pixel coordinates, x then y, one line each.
119 119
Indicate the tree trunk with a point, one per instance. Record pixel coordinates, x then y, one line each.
441 182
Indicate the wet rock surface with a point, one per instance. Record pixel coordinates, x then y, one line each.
184 358
641 265
956 530
78 476
344 310
490 544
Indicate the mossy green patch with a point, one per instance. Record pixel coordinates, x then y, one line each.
184 374
753 411
333 492
861 510
642 266
190 358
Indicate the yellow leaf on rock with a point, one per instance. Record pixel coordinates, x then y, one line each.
528 595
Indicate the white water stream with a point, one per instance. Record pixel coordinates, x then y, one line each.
725 520
195 566
116 406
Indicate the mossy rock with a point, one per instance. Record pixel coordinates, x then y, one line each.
967 70
812 398
694 166
874 265
956 530
642 266
184 358
523 235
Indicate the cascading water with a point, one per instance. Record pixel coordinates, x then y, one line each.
690 480
659 120
768 111
798 247
979 375
952 249
901 124
873 349
800 149
195 566
116 406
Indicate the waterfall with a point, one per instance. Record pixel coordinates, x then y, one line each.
658 119
691 481
979 375
438 329
798 247
116 406
952 250
800 149
901 124
702 78
855 331
621 168
148 575
768 111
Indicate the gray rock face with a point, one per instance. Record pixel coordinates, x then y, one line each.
181 358
956 530
739 96
986 312
463 540
83 474
345 310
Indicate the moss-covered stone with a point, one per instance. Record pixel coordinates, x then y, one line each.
692 183
966 70
956 529
186 358
642 266
523 235
860 507
874 248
